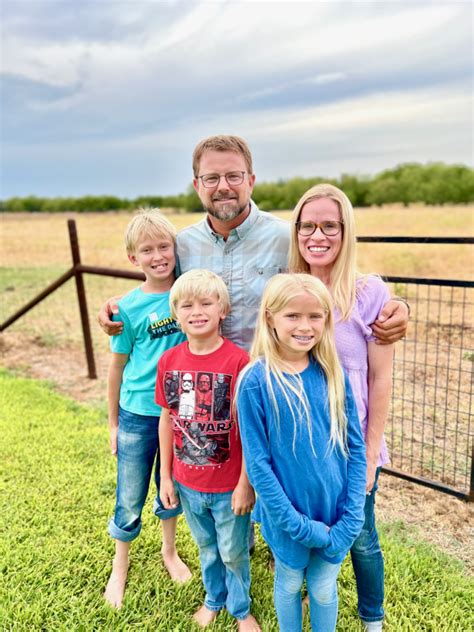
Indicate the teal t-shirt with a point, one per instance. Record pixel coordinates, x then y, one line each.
148 331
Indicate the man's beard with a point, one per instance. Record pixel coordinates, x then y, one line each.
227 212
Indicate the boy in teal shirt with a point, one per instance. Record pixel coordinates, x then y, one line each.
149 330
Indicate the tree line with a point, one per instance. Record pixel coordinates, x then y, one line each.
432 183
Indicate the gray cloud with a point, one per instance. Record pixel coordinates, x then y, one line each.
135 85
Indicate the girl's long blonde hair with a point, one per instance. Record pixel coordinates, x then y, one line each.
344 274
279 291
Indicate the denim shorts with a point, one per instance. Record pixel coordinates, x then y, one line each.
137 451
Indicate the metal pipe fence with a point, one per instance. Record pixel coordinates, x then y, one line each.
430 430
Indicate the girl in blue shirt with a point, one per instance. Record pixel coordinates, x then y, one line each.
303 447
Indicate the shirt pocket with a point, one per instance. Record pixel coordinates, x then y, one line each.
255 279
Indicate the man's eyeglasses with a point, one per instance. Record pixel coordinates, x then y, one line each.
328 228
233 179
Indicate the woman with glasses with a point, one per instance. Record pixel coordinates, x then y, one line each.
323 244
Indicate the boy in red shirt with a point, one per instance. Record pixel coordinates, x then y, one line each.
202 452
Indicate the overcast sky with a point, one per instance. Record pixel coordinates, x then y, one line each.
110 97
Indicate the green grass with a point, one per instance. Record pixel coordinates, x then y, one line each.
57 491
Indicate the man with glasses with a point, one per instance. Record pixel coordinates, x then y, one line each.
240 243
237 241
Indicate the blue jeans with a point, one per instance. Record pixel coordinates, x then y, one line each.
137 450
368 565
223 541
321 583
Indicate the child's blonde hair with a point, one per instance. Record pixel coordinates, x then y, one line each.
199 284
279 291
344 273
148 222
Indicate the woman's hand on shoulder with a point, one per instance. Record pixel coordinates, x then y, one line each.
392 323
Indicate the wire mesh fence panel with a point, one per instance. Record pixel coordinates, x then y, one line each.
430 428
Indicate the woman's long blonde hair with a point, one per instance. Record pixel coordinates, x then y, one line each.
344 273
279 291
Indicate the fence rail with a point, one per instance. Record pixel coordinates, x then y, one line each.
430 429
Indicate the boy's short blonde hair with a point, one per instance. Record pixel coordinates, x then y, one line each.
199 284
148 222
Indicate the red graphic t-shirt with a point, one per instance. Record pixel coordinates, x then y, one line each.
198 391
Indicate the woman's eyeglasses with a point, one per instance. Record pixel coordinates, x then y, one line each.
328 228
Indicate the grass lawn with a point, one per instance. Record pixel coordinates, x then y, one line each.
57 483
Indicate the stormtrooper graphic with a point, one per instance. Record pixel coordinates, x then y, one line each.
187 397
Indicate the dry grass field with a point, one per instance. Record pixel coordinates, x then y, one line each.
35 251
431 428
41 240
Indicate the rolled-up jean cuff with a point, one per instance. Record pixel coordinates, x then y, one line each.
165 514
241 618
120 534
213 608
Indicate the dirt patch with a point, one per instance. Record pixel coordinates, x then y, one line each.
66 368
438 518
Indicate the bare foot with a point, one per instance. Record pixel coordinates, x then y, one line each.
204 616
249 624
115 588
175 566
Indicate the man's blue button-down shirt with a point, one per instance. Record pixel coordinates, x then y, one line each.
254 251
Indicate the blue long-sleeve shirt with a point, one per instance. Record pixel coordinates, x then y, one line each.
300 494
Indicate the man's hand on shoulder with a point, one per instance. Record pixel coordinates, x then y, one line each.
110 307
392 323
